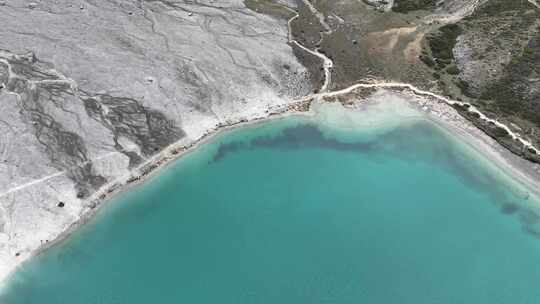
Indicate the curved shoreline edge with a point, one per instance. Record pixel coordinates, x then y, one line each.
435 110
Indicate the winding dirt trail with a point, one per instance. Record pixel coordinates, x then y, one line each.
172 152
328 65
420 92
319 16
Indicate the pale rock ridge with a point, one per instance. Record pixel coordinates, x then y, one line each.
89 91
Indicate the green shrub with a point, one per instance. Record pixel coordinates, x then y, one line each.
405 6
452 70
427 60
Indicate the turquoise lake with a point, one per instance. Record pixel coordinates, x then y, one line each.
292 211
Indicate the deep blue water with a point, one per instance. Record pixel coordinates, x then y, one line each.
293 212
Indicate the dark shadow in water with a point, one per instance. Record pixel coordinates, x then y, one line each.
294 138
404 144
530 221
309 136
510 208
420 142
227 148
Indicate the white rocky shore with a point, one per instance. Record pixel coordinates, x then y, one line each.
102 94
91 91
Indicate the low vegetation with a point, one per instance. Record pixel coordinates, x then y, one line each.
269 7
441 45
502 39
405 6
517 93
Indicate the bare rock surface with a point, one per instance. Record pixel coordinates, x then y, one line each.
89 90
97 94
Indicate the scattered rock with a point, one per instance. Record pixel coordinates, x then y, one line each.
61 204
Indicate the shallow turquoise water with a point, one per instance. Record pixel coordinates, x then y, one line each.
293 212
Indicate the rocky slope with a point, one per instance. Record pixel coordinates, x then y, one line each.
480 52
93 89
491 59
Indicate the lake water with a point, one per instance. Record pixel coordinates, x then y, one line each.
295 211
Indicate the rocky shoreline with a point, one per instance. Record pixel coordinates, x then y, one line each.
436 110
440 109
